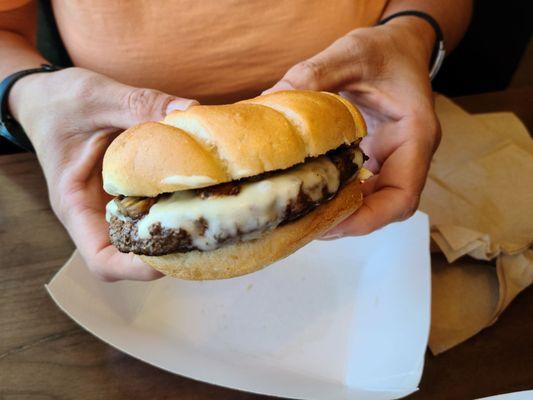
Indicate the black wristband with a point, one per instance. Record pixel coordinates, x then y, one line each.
438 50
9 126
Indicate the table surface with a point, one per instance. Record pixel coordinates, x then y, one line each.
45 355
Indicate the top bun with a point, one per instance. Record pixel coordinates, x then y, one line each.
208 145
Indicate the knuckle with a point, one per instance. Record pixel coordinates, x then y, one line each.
139 98
357 43
308 74
364 228
58 209
58 201
411 204
417 107
99 273
428 124
362 48
430 119
146 102
63 198
437 132
85 87
103 276
422 124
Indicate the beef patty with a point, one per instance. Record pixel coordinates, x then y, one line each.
124 231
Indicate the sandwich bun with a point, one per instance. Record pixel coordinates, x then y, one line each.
207 145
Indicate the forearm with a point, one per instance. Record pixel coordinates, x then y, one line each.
17 40
452 15
17 53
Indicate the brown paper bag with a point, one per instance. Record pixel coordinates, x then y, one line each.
479 196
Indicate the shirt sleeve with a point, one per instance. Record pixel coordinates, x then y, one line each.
7 5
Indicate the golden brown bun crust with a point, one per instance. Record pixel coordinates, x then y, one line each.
207 145
246 257
135 165
322 121
249 139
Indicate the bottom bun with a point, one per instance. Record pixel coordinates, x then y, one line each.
246 257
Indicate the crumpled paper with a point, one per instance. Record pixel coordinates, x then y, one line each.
479 196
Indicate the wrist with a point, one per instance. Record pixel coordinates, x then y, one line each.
23 99
416 33
18 95
10 127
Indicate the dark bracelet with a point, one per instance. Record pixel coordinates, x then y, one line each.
438 50
9 126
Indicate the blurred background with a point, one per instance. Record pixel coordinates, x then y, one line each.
495 54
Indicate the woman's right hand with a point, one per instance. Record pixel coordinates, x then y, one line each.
71 116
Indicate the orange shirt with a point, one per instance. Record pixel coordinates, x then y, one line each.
212 50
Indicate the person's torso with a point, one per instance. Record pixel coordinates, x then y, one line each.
213 50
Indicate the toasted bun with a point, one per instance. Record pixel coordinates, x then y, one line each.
153 158
246 257
207 145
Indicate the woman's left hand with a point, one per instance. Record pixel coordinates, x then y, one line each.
384 71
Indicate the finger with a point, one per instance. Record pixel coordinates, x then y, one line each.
396 193
371 163
140 105
180 104
89 231
112 266
328 70
379 209
281 85
85 221
122 106
384 138
369 186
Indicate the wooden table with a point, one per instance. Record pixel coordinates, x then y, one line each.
44 355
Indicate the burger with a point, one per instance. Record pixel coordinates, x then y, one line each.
220 191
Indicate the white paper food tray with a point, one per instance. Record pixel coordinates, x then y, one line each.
343 319
524 395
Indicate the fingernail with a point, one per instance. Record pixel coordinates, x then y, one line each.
180 104
281 85
331 235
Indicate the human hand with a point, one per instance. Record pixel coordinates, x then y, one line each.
71 116
384 71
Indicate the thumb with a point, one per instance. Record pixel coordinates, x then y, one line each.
136 105
281 85
327 70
